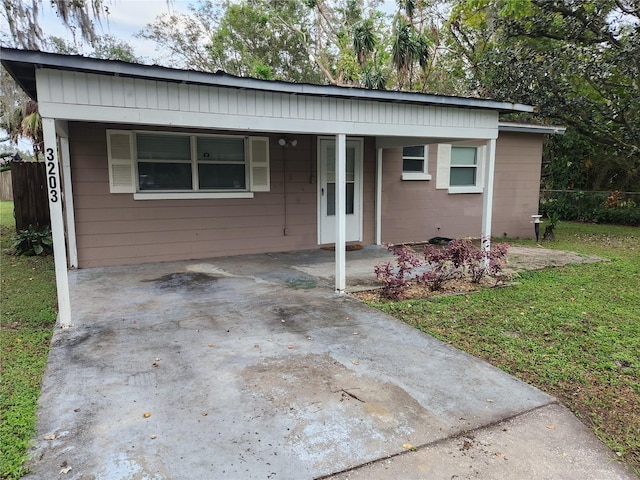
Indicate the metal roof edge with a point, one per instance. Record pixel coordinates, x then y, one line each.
531 128
29 60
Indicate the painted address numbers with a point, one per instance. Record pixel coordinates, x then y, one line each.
52 177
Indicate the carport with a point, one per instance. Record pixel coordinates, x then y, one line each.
73 90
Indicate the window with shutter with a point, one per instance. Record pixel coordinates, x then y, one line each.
460 168
173 165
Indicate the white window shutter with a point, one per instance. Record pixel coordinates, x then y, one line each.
259 164
121 161
444 166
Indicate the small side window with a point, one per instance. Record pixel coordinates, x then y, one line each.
415 160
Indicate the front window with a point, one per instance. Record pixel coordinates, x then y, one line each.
174 162
464 167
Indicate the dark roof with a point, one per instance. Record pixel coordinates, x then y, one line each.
22 65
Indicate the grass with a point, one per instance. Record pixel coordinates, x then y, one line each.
573 332
27 317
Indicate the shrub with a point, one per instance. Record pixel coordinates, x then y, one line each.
475 262
460 259
614 207
395 282
442 266
32 241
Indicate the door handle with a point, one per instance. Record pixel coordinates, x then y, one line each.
322 192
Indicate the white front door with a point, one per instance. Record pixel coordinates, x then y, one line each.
327 190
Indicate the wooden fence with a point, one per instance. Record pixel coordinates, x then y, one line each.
6 190
30 200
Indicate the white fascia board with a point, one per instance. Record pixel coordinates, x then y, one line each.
480 134
254 123
529 128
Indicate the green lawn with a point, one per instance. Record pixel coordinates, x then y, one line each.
574 332
27 317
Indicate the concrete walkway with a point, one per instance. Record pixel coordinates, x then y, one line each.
251 368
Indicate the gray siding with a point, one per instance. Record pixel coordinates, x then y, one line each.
75 95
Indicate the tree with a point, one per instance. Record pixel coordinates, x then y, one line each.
309 41
578 62
183 39
19 115
250 41
24 27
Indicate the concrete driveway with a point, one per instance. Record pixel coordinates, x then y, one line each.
252 368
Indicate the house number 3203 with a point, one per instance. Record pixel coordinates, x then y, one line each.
52 178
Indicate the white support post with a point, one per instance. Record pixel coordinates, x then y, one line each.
379 197
341 215
68 201
57 220
487 197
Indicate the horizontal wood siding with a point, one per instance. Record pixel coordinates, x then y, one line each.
63 94
113 229
414 211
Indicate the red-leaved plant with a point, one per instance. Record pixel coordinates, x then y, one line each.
460 259
396 280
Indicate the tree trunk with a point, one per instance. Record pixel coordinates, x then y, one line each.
548 234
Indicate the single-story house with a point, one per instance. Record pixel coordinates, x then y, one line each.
148 164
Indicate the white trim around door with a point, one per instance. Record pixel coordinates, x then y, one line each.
326 189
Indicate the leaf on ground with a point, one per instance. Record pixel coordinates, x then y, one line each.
65 470
551 426
355 362
50 437
146 415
